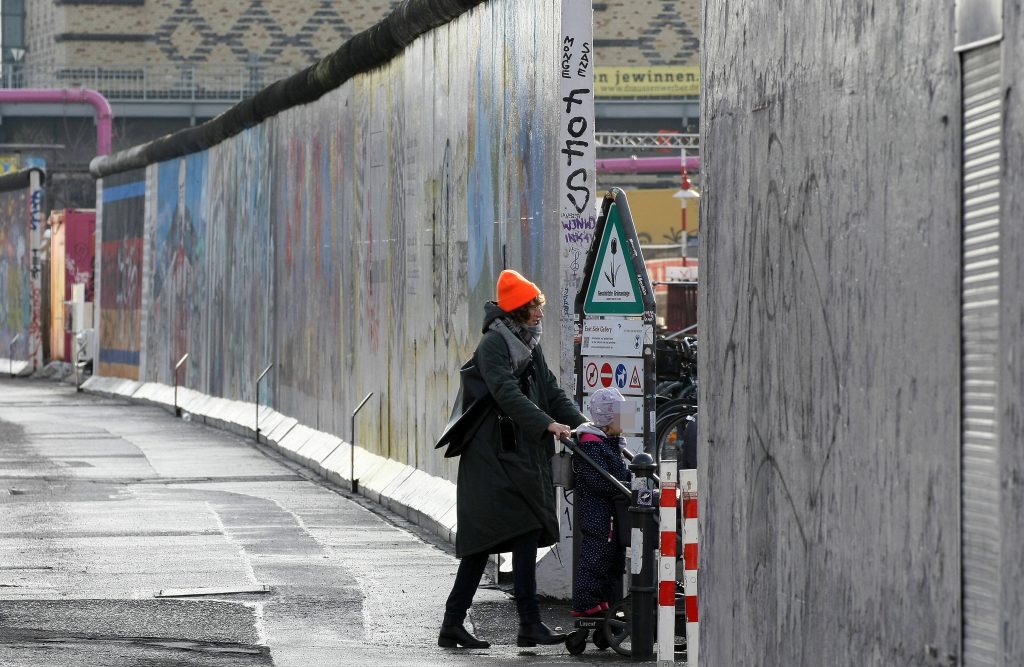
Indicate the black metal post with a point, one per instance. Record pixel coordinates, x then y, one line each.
177 410
265 371
643 580
352 452
10 354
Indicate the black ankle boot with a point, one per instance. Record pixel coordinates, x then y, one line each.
455 634
531 634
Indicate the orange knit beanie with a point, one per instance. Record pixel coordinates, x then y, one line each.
515 291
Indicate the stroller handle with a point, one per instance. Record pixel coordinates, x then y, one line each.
572 446
570 443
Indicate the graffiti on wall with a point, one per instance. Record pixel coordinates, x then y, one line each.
35 328
352 241
177 295
15 277
577 155
121 250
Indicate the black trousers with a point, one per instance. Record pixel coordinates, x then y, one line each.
524 582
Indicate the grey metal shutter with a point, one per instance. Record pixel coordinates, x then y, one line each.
982 165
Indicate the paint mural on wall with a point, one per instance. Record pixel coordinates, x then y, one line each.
121 251
238 261
178 292
353 241
15 267
36 199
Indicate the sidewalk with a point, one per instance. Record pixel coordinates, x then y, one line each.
110 506
425 500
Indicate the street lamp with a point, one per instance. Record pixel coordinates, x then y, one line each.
684 194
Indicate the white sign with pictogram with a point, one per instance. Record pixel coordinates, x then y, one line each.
623 373
615 336
614 325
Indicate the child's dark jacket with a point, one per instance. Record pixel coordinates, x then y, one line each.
596 495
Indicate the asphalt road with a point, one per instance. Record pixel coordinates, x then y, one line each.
130 537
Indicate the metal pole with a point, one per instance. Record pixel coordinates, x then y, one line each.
10 354
352 451
265 371
643 542
177 410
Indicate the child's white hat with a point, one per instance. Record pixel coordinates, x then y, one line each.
604 405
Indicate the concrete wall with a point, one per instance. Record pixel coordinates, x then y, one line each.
120 223
353 241
15 264
1011 412
830 315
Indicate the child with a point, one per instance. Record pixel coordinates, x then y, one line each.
601 554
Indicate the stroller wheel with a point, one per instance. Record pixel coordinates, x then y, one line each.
618 627
576 642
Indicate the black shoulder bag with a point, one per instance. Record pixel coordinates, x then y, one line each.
472 405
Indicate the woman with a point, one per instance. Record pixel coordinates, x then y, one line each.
506 501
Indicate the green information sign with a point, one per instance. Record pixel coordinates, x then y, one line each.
615 311
614 288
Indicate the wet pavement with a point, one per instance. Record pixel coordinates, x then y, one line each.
130 537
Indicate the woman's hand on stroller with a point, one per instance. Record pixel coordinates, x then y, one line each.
561 431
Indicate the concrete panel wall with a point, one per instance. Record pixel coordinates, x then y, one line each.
830 335
353 241
15 264
120 247
1012 334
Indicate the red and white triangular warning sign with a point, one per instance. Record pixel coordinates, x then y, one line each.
634 382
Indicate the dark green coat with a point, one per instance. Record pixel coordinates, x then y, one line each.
505 494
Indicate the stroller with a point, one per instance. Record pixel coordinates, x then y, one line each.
614 628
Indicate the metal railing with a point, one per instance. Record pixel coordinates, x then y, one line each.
258 380
219 83
645 140
10 353
177 410
352 452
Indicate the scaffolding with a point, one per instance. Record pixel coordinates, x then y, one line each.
666 141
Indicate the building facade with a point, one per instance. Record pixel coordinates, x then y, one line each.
119 33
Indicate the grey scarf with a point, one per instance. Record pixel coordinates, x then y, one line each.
520 338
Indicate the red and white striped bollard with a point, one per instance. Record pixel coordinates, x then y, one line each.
667 565
688 484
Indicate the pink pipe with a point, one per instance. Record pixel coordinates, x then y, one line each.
104 114
647 165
